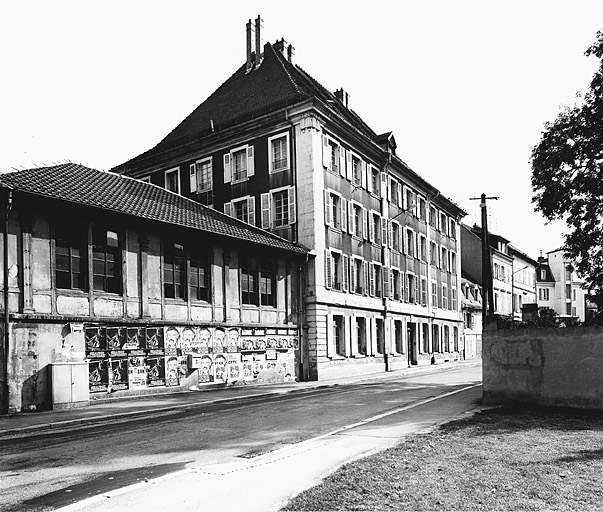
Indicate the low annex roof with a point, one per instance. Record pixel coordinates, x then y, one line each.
75 183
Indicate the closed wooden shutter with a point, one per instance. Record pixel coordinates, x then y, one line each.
292 206
265 201
227 172
250 162
251 211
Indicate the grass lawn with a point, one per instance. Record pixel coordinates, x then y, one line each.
498 459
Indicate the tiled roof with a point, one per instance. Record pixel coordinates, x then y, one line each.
245 95
77 184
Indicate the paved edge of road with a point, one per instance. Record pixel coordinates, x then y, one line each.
91 421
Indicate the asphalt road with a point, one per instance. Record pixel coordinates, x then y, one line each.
56 469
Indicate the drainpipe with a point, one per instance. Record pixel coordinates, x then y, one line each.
5 345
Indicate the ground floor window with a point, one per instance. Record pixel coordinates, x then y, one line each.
426 339
398 329
361 335
435 336
379 332
446 338
339 334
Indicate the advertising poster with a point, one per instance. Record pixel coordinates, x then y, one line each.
134 338
219 340
188 342
182 368
233 340
204 341
259 364
115 338
206 371
137 373
154 339
247 365
119 374
95 339
233 365
220 368
172 341
156 371
98 376
171 371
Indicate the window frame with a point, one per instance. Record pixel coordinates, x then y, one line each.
72 243
174 170
105 249
183 284
271 140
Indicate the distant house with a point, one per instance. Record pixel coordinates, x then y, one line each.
559 287
274 148
471 304
120 286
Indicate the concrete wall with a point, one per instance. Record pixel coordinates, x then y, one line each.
551 367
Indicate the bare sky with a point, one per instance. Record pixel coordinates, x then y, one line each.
466 86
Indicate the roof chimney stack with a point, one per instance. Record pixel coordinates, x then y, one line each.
259 41
343 96
250 45
290 53
286 49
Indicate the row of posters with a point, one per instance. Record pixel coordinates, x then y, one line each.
129 358
175 340
139 372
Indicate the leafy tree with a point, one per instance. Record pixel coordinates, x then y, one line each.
567 176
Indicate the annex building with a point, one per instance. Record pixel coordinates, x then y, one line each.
273 148
118 286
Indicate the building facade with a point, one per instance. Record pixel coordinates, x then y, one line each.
559 287
523 281
273 148
471 304
118 286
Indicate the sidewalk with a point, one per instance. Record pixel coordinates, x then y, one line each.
115 409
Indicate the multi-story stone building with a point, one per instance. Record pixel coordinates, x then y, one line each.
523 281
559 287
118 286
274 148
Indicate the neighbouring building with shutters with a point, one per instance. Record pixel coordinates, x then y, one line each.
275 149
119 286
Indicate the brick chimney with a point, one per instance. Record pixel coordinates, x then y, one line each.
286 49
250 45
259 40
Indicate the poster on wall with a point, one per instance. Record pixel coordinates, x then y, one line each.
134 338
206 370
172 340
219 340
204 341
98 376
233 340
259 364
247 366
188 341
171 371
156 371
154 340
220 368
115 338
182 368
95 339
233 365
137 373
119 374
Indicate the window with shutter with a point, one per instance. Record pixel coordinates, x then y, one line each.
192 178
292 206
265 201
328 208
251 211
328 270
278 153
342 161
227 171
250 162
346 273
344 215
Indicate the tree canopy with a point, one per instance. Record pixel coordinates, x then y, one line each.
567 176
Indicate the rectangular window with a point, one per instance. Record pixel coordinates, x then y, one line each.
174 271
339 334
445 296
358 276
452 228
426 339
395 236
433 217
444 259
337 270
380 331
249 281
281 208
356 171
172 180
396 284
279 153
375 181
443 223
356 220
361 335
239 162
393 190
106 260
399 340
453 262
434 294
433 253
71 252
410 242
422 208
454 299
278 208
267 280
240 210
568 291
423 291
199 277
411 288
422 248
204 175
435 336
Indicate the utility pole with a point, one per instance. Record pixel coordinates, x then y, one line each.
487 288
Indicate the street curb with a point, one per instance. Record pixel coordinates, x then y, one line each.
116 417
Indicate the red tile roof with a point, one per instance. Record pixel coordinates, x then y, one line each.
78 184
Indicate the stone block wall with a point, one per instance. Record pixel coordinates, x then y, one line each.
549 366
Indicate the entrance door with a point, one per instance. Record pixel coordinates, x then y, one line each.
411 336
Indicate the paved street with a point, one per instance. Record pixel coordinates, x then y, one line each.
247 454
